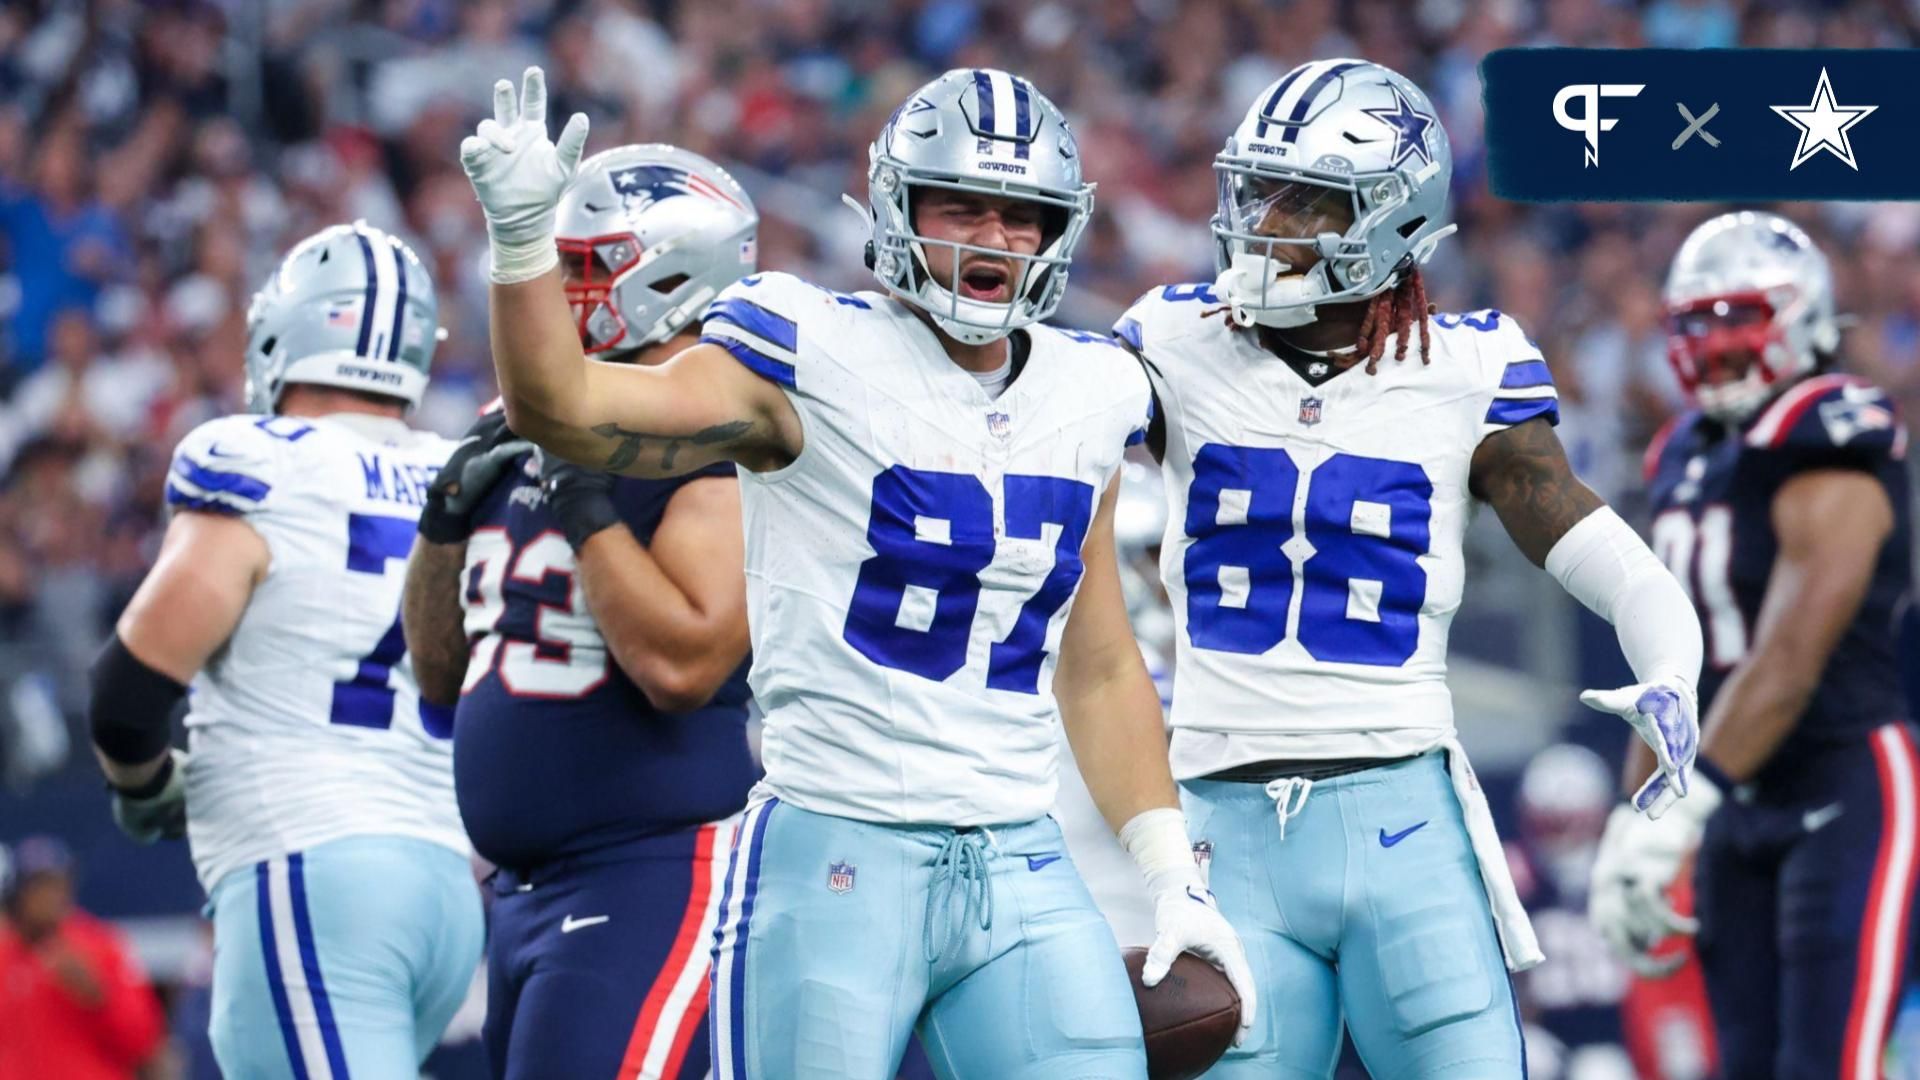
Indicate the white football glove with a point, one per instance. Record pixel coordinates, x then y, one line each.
1664 715
1638 859
518 173
1185 916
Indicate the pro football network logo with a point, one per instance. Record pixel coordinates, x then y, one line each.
1590 123
1310 409
840 878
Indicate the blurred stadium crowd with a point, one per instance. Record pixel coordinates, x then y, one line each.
156 158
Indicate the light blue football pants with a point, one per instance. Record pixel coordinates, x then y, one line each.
345 960
838 939
1368 908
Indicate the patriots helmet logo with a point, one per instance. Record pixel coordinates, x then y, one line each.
1410 127
649 184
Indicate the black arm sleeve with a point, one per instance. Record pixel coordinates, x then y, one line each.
130 711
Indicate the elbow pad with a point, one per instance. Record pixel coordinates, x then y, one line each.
1605 565
130 711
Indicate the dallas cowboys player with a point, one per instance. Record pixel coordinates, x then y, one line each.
316 793
1313 558
927 474
1782 497
609 628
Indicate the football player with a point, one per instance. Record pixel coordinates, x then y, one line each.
600 747
1324 440
317 791
927 475
1781 498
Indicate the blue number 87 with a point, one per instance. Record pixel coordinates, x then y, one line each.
1367 522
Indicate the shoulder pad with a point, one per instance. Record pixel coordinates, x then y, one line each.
762 318
1831 412
230 465
1161 310
1510 365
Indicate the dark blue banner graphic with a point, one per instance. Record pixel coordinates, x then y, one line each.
1606 125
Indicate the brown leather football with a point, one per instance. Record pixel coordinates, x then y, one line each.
1189 1019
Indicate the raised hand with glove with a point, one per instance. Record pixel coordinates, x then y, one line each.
518 174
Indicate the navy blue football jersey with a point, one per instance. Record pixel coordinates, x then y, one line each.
1712 489
556 752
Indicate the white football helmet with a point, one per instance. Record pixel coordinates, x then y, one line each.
1346 130
648 236
1747 286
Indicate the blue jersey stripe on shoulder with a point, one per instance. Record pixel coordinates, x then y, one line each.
775 328
186 501
213 481
760 363
1128 330
1136 436
1524 374
1511 411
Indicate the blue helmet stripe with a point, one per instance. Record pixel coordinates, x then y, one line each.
983 92
1022 117
399 303
373 288
1305 104
1279 91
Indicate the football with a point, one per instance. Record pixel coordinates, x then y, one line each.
1189 1019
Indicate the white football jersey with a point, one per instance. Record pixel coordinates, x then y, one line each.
909 574
307 726
1313 547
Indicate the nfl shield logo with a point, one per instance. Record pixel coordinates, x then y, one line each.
1203 855
840 877
1309 411
999 425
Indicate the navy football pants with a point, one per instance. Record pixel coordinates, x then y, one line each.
1806 907
597 965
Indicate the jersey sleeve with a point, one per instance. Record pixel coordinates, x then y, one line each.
1520 382
758 319
230 465
1835 421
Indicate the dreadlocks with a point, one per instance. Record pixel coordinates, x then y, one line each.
1392 314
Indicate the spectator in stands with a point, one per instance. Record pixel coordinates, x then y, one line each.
76 1003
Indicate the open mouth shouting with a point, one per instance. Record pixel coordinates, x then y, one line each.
986 280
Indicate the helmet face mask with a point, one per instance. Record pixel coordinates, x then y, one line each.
1346 142
1749 312
1015 147
648 236
351 307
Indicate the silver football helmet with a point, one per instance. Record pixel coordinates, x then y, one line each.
648 235
1752 285
1328 133
350 306
991 133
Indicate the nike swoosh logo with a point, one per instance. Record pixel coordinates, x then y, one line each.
1815 820
214 451
569 924
1198 899
1035 862
1389 839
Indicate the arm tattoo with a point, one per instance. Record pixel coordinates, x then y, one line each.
432 616
630 442
1523 474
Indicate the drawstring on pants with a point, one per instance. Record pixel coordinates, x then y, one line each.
1289 795
962 856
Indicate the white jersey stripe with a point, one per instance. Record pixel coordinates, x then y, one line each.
1889 903
293 977
684 1001
725 941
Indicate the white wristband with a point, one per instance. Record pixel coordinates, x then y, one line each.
523 260
1157 840
1605 565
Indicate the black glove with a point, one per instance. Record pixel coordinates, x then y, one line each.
157 810
482 457
581 498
